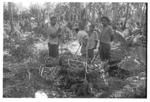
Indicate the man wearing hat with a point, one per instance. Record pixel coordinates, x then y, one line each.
53 35
105 39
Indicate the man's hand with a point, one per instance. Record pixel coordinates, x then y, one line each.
95 51
95 44
59 30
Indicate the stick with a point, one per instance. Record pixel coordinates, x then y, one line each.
86 64
103 73
29 74
95 56
69 62
41 70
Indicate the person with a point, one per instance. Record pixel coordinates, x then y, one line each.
118 46
82 37
92 42
53 35
105 40
67 33
118 37
139 44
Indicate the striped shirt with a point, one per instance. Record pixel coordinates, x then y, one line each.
52 30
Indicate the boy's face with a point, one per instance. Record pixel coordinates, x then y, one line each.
91 28
53 21
77 30
104 22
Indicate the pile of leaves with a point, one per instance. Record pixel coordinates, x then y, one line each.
23 80
135 87
70 76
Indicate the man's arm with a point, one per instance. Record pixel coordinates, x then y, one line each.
96 39
96 42
110 33
58 31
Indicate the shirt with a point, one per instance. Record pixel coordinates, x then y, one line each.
125 33
106 35
91 40
82 35
53 30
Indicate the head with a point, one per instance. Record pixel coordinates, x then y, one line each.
53 20
76 27
76 30
114 26
92 27
105 21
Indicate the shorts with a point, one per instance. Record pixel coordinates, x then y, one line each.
53 50
104 51
90 53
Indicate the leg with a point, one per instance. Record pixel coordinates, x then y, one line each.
50 49
90 54
104 51
107 52
55 50
83 51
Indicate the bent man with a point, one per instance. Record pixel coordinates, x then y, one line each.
82 37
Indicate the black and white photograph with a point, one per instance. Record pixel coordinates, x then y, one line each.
75 50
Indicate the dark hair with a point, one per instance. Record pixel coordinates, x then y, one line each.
76 30
53 17
106 18
92 25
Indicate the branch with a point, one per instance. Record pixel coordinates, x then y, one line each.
126 16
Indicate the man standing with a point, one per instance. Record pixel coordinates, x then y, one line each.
92 42
53 35
105 39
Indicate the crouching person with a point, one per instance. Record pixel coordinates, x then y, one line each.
82 37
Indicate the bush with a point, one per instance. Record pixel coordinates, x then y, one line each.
20 53
42 55
19 49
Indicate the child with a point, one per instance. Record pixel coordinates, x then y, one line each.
92 42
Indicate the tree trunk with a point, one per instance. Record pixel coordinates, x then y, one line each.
124 26
11 16
145 20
